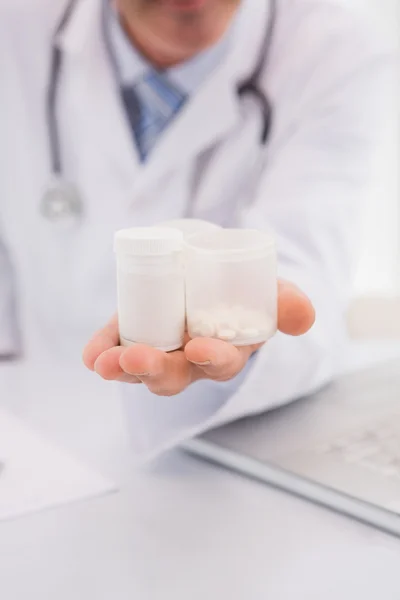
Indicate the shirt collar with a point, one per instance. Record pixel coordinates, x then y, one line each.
132 65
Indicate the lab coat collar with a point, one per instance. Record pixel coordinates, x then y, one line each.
90 80
252 20
73 38
210 115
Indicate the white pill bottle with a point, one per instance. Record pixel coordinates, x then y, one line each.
231 285
151 287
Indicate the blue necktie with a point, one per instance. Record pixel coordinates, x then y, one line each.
151 105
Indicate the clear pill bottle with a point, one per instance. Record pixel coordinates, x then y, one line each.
151 287
231 286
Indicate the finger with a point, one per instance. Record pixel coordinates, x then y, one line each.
103 340
164 374
108 367
296 314
217 360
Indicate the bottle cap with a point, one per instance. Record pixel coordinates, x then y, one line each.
148 241
190 227
232 244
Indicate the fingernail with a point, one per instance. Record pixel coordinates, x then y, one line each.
141 375
201 364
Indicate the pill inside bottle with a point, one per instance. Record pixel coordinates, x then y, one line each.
231 285
151 287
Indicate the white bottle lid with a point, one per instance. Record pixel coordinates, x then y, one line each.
190 227
232 244
148 241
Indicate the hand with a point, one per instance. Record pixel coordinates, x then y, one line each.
167 374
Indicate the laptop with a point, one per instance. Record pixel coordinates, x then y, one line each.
339 448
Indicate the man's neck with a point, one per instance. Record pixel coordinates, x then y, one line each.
167 42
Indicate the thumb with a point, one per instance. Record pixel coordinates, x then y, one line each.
296 314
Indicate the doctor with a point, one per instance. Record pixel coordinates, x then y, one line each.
247 113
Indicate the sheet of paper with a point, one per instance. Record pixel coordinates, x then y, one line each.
35 475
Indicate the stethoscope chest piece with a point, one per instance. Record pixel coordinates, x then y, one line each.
61 201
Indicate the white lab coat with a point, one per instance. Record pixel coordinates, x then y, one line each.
328 80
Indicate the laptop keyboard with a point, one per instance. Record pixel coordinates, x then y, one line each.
376 448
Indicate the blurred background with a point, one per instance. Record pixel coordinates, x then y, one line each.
376 307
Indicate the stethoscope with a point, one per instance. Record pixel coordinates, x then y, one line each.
62 199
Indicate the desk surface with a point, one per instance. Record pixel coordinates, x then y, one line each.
179 529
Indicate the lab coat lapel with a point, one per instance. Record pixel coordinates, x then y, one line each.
95 93
205 119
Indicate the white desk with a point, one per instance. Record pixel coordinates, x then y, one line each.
180 529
